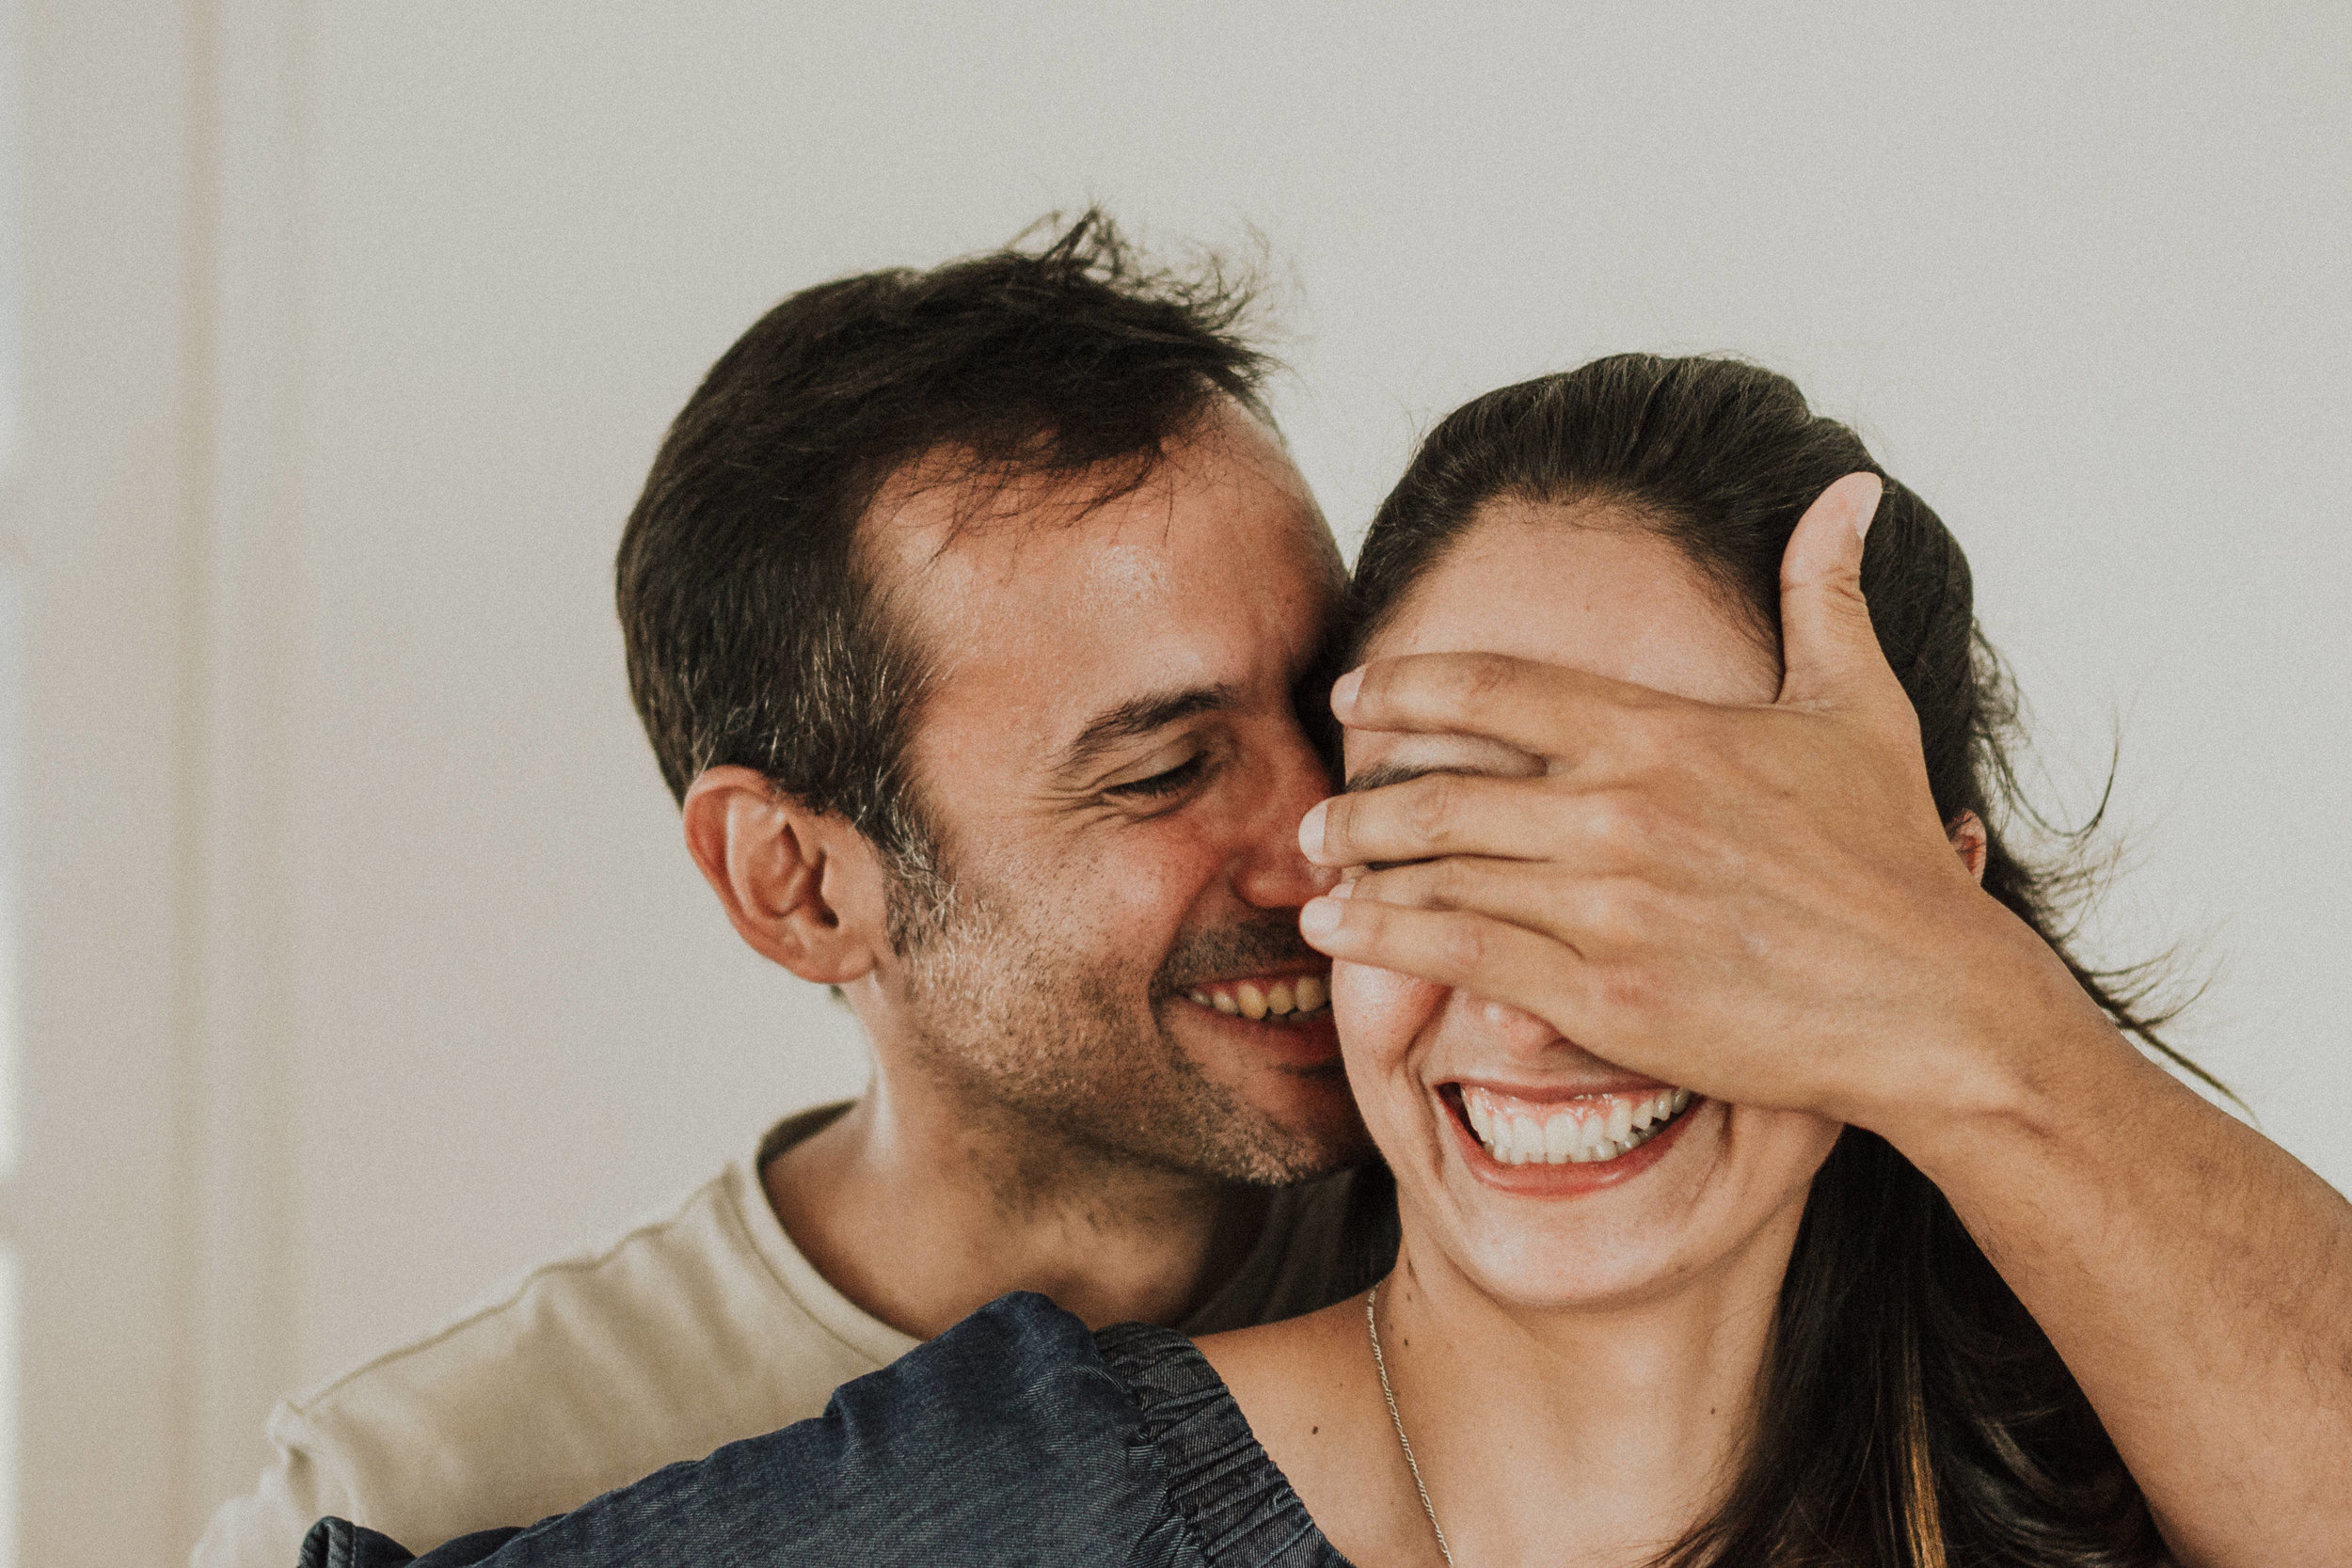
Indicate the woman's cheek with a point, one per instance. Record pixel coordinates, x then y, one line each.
1378 1013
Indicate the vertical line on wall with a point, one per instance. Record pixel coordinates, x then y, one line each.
241 1309
10 1431
198 282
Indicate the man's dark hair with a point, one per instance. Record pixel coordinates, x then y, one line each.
756 630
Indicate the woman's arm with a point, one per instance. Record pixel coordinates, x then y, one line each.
2195 1278
1005 1439
1761 904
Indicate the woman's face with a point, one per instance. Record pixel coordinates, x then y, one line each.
1459 1091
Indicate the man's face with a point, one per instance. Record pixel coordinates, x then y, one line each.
1113 761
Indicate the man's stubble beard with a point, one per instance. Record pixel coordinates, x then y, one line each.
1052 1051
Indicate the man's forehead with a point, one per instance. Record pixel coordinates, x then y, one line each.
1209 576
947 502
963 555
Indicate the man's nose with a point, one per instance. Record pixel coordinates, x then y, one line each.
1274 874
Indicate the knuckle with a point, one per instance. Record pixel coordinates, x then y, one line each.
1623 987
1618 818
1614 907
1432 804
1483 676
1601 910
1462 947
1338 822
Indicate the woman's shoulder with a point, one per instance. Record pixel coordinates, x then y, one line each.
1235 1499
1009 1425
1008 1438
1311 1396
1016 1436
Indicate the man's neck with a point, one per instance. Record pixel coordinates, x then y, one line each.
919 1214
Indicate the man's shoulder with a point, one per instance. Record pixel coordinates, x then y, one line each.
673 1316
571 1304
686 1332
1324 1239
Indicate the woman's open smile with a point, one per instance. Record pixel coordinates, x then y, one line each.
1557 1142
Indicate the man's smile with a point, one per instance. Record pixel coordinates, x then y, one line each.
1280 1016
1291 998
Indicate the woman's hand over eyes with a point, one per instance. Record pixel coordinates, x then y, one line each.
1757 903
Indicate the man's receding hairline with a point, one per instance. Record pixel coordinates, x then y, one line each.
932 473
958 466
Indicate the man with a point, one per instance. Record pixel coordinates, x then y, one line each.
972 614
968 612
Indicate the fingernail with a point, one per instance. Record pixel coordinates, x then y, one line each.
1344 889
1310 830
1868 513
1343 692
1318 917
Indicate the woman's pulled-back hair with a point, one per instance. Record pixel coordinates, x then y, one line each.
1912 1414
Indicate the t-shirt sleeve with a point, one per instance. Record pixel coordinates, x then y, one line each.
1006 1438
265 1528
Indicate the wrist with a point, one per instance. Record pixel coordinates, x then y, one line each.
2021 1050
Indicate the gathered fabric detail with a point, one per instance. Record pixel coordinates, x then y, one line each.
1239 1507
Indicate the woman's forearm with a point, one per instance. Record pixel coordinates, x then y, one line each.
2195 1278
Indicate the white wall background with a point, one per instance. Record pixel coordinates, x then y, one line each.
368 968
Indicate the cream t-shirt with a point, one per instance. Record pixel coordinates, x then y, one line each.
687 1333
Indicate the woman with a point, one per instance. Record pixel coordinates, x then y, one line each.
1629 1323
1712 1331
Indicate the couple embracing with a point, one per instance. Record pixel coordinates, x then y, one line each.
1647 1115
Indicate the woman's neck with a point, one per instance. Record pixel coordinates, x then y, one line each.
1594 1434
1588 1435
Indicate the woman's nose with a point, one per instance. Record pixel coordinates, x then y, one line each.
1515 1028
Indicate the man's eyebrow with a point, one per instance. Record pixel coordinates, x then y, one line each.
1382 774
1139 716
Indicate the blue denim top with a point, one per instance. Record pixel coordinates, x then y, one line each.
1014 1437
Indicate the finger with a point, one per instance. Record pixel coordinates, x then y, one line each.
1438 814
1497 961
1829 651
1589 911
1547 711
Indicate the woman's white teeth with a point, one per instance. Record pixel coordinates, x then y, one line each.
1583 1131
1294 996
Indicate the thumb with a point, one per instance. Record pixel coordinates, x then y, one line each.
1827 646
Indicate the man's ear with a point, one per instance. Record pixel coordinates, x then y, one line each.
1969 838
804 888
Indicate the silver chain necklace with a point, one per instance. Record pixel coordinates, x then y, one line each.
1380 1365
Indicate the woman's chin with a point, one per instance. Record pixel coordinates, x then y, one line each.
1613 1233
1582 1232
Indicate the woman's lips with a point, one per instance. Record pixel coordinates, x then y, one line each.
1557 1144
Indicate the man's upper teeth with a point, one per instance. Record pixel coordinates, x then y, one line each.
1577 1132
1292 994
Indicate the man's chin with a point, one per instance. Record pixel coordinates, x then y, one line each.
1293 1079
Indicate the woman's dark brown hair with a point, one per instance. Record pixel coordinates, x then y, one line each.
1912 1415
